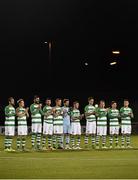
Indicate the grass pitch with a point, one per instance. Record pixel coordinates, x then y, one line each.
70 164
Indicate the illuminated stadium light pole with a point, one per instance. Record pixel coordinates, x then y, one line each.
113 63
115 52
49 55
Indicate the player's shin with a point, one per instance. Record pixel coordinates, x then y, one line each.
78 141
10 142
128 140
49 141
67 139
6 142
38 139
111 141
59 139
93 140
103 141
23 142
73 141
54 141
97 140
123 140
116 140
33 140
86 140
44 141
18 142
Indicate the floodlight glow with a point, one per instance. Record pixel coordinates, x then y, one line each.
113 63
86 64
116 52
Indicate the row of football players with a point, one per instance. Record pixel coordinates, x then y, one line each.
59 121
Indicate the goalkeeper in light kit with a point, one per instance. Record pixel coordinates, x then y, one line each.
113 115
101 113
126 116
9 124
90 122
36 115
75 125
22 115
66 123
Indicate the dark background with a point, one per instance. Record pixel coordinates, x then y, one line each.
80 32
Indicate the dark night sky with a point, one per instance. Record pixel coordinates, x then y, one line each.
80 31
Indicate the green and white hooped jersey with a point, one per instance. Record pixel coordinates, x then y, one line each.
113 115
125 118
90 109
22 121
10 116
102 117
75 113
59 119
36 114
48 119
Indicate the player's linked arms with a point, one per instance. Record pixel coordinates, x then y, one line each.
107 109
50 112
20 114
81 116
75 117
90 113
131 115
56 113
39 106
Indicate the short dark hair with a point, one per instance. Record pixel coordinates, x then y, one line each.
126 100
89 98
10 98
75 102
57 99
48 98
113 102
36 96
102 100
65 100
19 100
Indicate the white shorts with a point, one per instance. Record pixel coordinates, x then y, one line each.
58 129
91 127
102 130
9 130
47 129
36 128
126 129
75 128
114 130
66 128
22 130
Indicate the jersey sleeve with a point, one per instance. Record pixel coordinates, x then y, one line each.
86 109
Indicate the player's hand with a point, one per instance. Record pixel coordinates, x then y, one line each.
53 110
27 109
130 114
81 116
40 106
65 111
107 109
